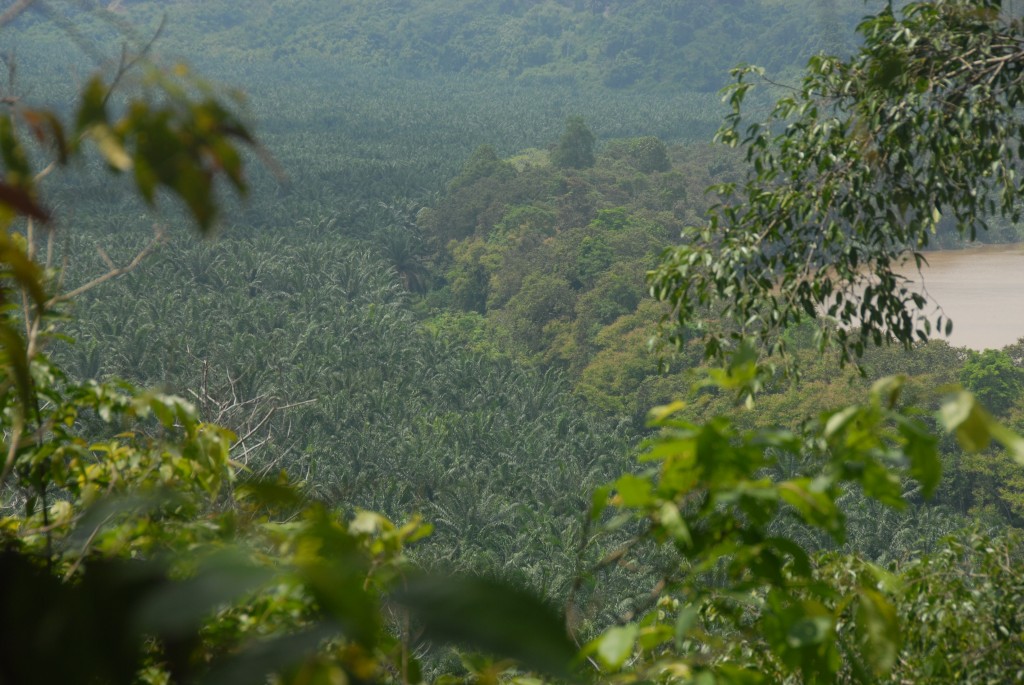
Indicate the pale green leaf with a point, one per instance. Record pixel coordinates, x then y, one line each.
616 645
878 627
110 147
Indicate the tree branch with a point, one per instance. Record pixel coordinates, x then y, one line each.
112 273
14 11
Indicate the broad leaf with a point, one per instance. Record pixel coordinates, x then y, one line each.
491 616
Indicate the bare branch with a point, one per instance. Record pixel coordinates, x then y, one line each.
47 170
126 64
12 451
85 547
269 415
106 259
114 271
14 11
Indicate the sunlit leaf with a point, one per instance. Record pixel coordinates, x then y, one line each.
659 414
633 491
673 521
616 645
1013 443
962 416
110 147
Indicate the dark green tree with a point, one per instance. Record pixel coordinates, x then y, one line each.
575 149
646 153
992 376
483 163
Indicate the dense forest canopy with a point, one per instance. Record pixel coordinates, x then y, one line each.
392 421
685 46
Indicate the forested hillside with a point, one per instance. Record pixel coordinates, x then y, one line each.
681 46
616 44
428 301
357 100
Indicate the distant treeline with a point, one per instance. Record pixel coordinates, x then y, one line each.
685 45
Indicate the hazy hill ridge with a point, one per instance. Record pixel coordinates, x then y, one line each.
688 45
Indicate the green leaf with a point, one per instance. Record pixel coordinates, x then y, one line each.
274 494
525 680
599 501
673 522
13 154
811 630
490 616
15 359
110 147
815 507
145 179
334 571
25 272
179 609
801 560
888 390
634 491
1013 443
194 185
163 410
840 420
262 658
961 414
616 645
879 631
921 447
685 622
736 675
658 414
92 110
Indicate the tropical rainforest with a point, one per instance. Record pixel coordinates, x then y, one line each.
520 341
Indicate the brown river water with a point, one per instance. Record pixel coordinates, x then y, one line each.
981 289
